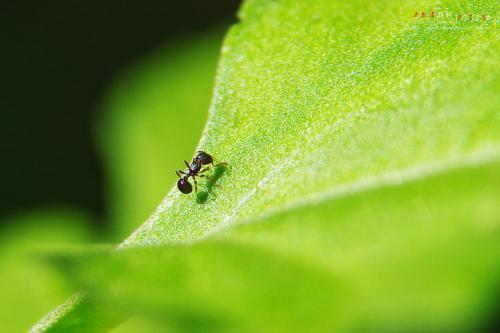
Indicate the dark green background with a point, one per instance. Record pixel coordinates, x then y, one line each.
57 59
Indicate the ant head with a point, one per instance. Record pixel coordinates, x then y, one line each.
184 186
204 158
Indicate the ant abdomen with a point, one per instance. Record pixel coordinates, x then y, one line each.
184 186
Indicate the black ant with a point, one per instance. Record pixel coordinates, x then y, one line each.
194 170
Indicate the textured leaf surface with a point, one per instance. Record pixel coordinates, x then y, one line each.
319 106
313 97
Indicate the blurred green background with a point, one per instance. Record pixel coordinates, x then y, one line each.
100 102
58 62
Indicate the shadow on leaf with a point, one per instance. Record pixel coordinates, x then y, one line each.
218 171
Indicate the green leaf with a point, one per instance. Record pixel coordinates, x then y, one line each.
319 96
319 106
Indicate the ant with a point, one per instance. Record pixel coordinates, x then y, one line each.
194 170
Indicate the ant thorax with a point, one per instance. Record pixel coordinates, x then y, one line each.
195 167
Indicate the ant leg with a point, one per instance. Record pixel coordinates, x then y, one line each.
179 173
216 165
187 164
206 176
195 186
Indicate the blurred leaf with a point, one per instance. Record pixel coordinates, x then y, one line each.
422 256
141 324
151 123
318 106
29 288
